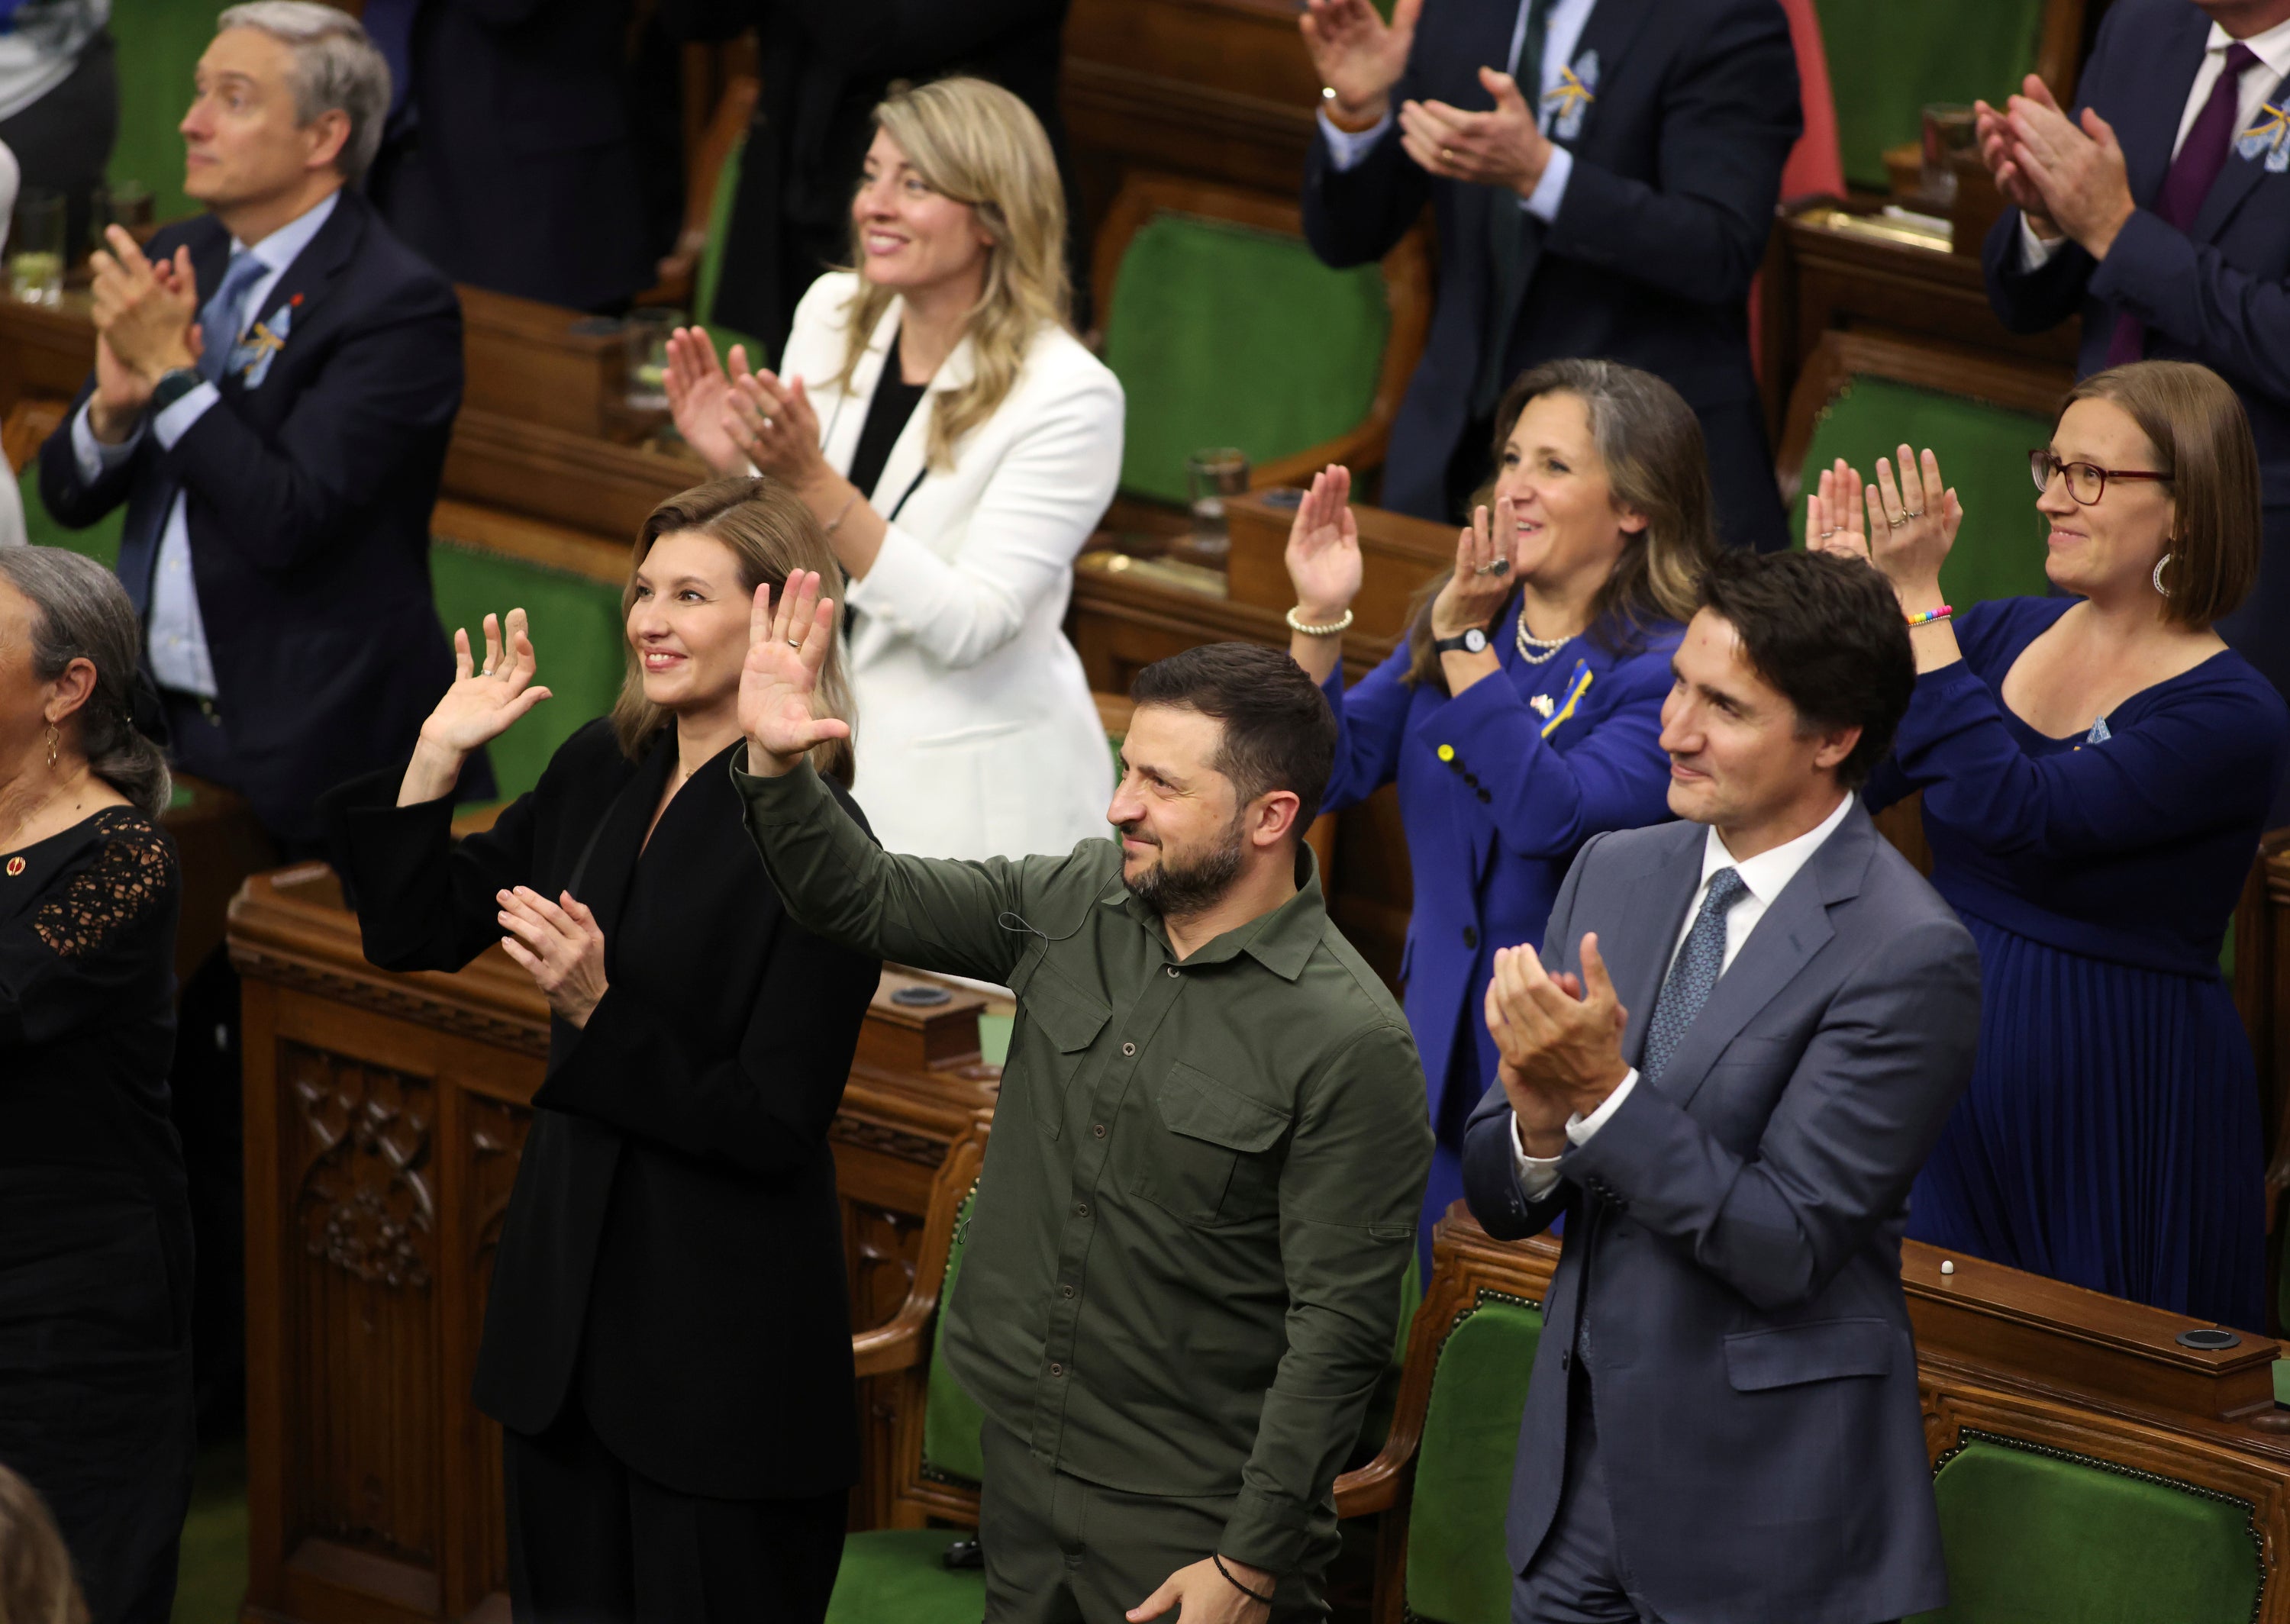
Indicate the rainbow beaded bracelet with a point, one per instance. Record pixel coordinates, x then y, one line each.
1927 616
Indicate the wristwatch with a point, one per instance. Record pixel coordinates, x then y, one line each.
173 384
1472 641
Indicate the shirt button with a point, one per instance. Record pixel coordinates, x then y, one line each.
1099 1130
1081 1209
1067 1290
1173 972
1472 779
1484 796
1129 1048
1057 1370
1470 937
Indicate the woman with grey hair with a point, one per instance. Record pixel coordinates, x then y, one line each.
95 1244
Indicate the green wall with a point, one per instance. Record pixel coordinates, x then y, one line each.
1887 59
159 47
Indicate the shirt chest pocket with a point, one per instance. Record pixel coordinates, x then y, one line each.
1209 1154
1057 1024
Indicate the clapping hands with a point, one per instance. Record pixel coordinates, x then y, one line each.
1323 554
1559 1040
1906 523
699 396
2066 175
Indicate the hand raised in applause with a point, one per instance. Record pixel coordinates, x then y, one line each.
560 946
1357 54
2075 165
699 390
1324 552
476 709
787 644
1559 1040
1486 569
1913 519
1834 514
1505 147
770 420
146 323
1992 129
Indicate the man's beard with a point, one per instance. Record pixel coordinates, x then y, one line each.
1178 889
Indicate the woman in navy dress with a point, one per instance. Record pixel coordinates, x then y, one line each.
1522 714
2096 773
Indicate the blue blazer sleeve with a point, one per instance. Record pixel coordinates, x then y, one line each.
2033 300
1544 803
1728 121
76 503
1371 720
2204 751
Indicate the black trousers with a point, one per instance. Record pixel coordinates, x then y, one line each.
592 1542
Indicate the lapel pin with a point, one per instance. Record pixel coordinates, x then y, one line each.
2269 136
1567 100
1542 705
15 867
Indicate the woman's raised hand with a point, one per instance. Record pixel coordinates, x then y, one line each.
699 388
788 643
1485 569
1324 556
1833 513
484 699
770 422
1921 517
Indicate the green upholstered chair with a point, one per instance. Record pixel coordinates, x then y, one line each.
1442 1479
100 541
898 1575
158 45
2039 1534
1860 398
1224 329
1887 61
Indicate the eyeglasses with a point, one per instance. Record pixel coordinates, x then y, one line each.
2086 481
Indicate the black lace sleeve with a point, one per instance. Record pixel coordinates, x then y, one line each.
130 877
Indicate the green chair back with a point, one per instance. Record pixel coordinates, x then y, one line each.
951 1418
1223 334
709 275
98 541
159 45
1983 453
576 636
2039 1536
1457 1570
1886 62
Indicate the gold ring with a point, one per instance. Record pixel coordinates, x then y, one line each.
1446 155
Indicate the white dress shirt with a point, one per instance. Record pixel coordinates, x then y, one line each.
1562 30
1764 878
2272 49
177 633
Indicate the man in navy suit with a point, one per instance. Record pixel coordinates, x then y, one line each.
2161 213
1741 1042
274 388
1603 173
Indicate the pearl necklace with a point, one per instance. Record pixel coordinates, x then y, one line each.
1533 649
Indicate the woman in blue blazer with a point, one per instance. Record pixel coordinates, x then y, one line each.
1523 714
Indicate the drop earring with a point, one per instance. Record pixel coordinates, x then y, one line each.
2160 562
53 739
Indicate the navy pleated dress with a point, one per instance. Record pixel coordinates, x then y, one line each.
2111 1135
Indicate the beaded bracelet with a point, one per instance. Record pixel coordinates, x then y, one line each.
1254 1596
1925 617
1329 630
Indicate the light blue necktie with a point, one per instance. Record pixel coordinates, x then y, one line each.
219 320
1692 976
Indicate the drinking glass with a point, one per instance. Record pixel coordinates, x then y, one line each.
646 333
35 246
1211 477
1948 129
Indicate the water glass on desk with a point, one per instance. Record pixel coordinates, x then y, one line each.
646 332
35 246
1211 477
1949 128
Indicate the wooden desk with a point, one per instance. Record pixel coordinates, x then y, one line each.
384 1117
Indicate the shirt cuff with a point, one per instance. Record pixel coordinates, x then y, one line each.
1346 147
1538 1175
1550 191
172 424
1579 1128
2035 254
92 455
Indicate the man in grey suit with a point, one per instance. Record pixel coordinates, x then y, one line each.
1748 1030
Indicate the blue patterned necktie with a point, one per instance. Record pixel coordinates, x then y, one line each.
1692 975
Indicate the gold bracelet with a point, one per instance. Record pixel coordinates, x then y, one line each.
1329 630
842 513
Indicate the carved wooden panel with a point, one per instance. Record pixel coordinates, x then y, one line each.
363 1207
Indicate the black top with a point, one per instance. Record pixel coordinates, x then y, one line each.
895 400
673 1242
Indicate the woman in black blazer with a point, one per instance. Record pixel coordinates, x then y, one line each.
667 1338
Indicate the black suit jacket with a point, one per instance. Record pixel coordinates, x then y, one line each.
825 64
308 504
1678 167
673 1243
519 171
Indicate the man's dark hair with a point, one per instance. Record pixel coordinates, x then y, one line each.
1826 631
1278 732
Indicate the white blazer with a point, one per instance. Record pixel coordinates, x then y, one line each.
976 733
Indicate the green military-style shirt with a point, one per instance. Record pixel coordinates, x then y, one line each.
1200 1193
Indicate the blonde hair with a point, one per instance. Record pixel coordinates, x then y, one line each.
35 1570
771 534
978 145
2201 435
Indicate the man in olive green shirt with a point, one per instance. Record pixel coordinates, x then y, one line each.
1182 1277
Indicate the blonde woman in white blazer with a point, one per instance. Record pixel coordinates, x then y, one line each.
942 375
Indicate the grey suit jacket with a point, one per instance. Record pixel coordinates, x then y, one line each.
1750 1362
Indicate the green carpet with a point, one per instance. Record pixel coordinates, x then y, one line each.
211 1580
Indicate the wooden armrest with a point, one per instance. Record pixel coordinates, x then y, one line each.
896 1345
1375 1486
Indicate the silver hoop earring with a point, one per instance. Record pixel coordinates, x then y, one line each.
2159 586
